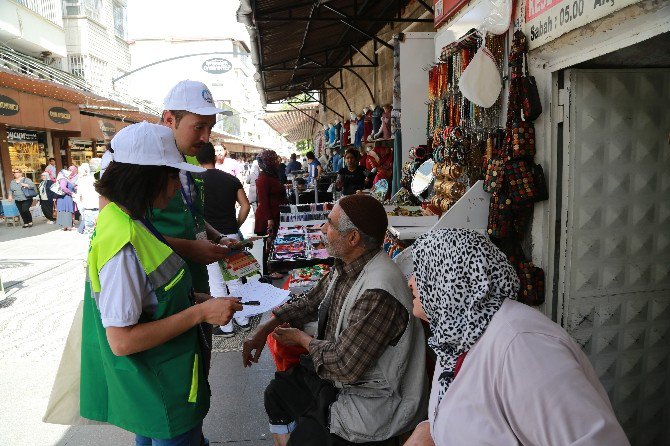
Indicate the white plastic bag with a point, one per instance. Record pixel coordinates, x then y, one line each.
498 20
480 83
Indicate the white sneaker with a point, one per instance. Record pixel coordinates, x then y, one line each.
226 331
243 322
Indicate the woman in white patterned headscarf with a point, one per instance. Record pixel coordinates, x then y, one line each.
505 373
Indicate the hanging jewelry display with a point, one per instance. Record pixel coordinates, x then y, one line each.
458 130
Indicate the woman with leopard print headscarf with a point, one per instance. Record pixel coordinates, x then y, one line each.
505 373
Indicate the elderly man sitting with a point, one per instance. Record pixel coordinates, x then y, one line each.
364 380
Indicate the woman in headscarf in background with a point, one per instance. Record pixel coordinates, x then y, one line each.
270 195
87 199
47 197
505 373
65 205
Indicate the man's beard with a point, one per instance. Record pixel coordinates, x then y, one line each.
333 249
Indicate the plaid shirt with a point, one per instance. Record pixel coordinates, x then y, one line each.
376 320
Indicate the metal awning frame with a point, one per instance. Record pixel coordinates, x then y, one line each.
313 69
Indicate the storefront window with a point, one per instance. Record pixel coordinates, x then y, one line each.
80 152
27 152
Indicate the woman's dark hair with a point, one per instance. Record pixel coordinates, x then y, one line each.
309 155
206 154
134 187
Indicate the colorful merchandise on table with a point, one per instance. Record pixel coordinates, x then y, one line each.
307 277
299 243
239 264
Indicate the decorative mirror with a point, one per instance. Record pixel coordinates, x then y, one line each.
423 179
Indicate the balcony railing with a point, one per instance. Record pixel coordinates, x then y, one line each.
49 9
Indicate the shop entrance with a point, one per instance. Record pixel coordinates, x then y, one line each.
613 245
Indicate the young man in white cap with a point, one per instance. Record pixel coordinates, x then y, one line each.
190 112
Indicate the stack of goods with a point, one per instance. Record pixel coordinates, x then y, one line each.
404 211
297 213
514 180
306 278
298 243
417 156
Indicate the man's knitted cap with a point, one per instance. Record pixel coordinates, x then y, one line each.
367 213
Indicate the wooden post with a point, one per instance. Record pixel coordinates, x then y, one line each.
5 160
56 144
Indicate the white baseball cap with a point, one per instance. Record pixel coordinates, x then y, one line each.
193 97
148 144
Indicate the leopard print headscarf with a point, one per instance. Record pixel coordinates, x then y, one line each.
462 279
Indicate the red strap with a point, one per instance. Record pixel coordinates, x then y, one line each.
459 363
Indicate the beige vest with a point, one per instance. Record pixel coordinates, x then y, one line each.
392 396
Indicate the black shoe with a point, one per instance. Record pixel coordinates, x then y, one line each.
265 279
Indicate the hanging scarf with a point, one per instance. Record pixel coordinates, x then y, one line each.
268 162
462 279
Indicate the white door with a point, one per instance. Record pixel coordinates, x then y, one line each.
613 288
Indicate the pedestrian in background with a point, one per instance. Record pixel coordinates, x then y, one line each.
65 205
254 172
22 191
87 199
271 194
51 170
222 193
47 197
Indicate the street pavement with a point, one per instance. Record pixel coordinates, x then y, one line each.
42 269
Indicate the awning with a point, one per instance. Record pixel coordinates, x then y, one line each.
298 45
295 124
87 101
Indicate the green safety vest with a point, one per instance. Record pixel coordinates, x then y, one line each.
177 220
161 392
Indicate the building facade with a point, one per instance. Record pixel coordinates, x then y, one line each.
221 63
57 98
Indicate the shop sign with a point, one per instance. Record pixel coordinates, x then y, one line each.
217 65
546 20
108 129
59 115
21 135
444 9
8 106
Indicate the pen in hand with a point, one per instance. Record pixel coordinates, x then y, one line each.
250 302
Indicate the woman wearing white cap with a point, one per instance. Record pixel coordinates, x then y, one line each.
142 345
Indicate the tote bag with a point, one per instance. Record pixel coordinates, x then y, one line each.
63 407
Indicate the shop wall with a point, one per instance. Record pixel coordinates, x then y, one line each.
34 112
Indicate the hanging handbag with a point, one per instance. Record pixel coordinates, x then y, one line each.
541 192
520 181
531 104
531 284
493 178
523 139
500 217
